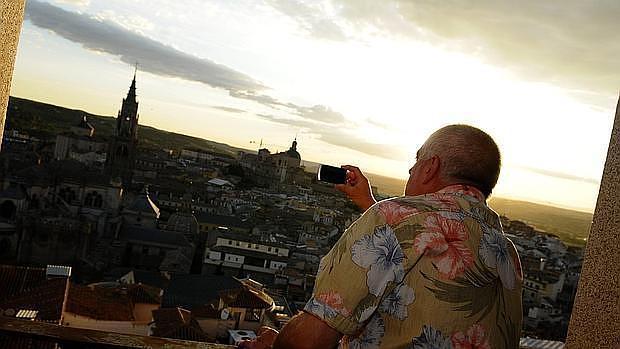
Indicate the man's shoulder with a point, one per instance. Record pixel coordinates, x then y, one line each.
405 208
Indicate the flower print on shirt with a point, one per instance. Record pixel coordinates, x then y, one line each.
431 338
473 339
382 254
394 212
372 335
396 302
444 202
320 309
468 190
494 251
444 242
333 300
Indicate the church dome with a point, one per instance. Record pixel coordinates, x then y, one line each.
183 222
292 152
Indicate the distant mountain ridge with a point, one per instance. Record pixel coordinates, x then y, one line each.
46 120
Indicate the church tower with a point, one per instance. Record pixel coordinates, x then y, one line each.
123 145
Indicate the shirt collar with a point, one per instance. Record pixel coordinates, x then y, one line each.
463 189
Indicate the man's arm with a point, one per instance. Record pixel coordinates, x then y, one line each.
306 331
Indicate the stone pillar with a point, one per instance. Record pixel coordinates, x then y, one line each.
595 322
11 17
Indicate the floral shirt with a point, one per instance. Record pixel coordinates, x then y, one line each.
429 271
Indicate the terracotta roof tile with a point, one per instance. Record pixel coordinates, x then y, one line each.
46 298
29 288
177 323
101 303
246 298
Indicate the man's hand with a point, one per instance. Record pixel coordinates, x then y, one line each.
264 340
357 188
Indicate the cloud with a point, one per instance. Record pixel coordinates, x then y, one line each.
102 35
561 175
342 136
153 56
229 109
573 43
320 113
80 3
311 17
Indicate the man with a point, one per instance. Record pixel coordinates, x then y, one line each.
431 269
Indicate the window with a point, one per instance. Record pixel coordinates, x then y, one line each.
276 250
230 242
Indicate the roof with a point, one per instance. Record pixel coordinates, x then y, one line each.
100 303
183 222
209 311
220 182
292 153
191 291
249 253
225 221
47 299
177 323
246 237
26 288
144 294
154 235
144 204
144 277
246 297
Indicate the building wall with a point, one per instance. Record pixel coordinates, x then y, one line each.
216 328
143 312
595 321
11 17
249 246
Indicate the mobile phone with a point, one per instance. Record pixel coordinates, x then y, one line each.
332 174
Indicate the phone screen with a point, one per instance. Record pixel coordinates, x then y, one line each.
332 174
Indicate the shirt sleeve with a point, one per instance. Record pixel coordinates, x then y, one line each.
354 275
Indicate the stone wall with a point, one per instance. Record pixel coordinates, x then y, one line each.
11 17
595 322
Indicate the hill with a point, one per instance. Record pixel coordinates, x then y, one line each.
46 120
571 226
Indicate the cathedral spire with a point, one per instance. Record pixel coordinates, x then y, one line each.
132 89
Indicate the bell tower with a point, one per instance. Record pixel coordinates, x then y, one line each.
122 148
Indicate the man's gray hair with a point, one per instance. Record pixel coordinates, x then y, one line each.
467 155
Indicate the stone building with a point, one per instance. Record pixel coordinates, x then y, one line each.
81 144
122 149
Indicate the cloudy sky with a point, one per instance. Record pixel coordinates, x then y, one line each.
357 81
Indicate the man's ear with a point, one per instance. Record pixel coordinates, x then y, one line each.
431 169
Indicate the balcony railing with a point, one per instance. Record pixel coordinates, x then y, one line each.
20 333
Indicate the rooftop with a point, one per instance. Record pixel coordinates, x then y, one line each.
190 291
154 235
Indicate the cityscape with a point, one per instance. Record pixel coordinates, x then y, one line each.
117 234
160 185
